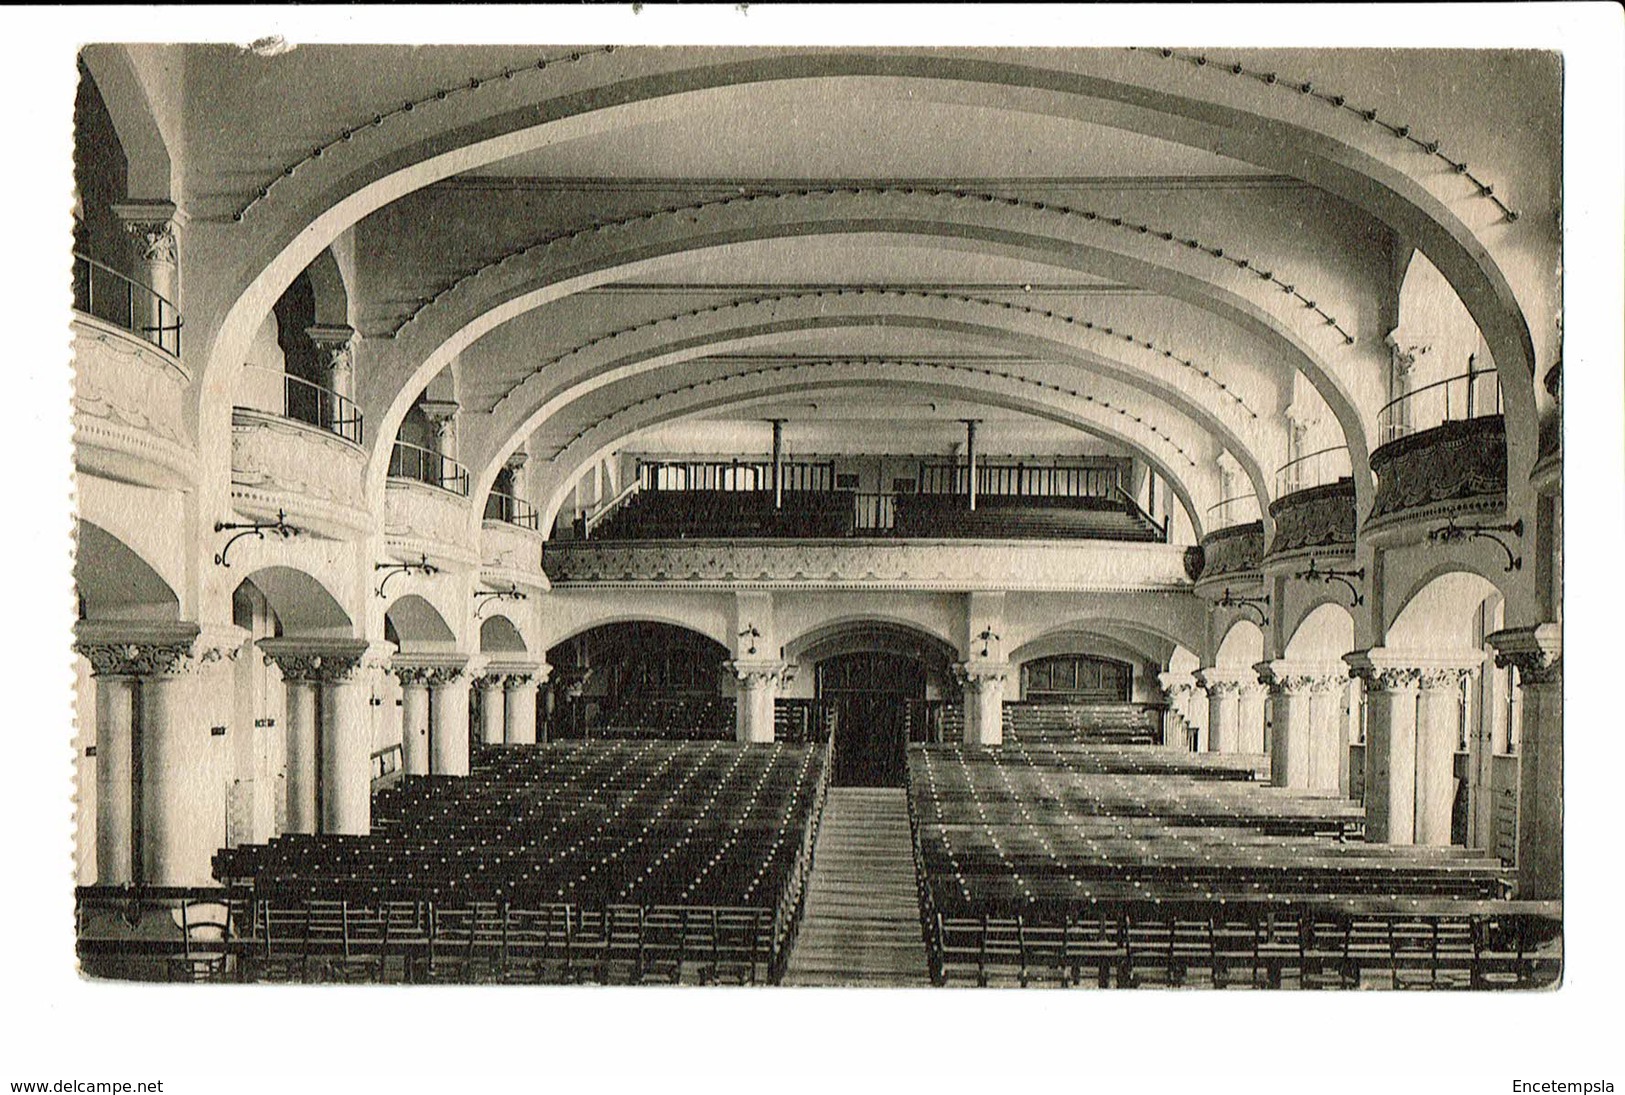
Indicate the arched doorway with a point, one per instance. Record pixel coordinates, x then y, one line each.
871 694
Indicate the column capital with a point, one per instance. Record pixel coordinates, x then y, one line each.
1288 677
1385 670
439 411
1177 683
1217 681
330 661
757 674
428 669
135 648
1537 652
152 225
978 675
335 342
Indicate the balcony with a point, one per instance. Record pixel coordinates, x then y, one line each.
1233 554
130 390
296 448
511 541
426 508
127 304
272 391
1314 507
420 465
866 564
1445 454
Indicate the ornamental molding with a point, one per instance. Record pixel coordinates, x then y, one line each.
1315 517
303 468
152 226
758 674
1385 670
320 661
956 566
1216 681
419 518
976 676
1293 678
133 648
1453 468
1238 549
1537 652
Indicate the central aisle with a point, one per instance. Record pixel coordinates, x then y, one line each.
862 922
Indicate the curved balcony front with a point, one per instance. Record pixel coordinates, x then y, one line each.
308 472
426 508
1454 469
130 389
1314 509
1230 557
511 542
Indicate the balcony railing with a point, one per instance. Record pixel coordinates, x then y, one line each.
1315 469
515 511
103 292
1238 509
734 475
319 406
1022 480
420 464
874 513
1473 394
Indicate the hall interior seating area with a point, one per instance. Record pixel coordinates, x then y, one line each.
626 861
1009 516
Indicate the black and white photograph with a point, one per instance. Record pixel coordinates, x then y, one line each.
562 517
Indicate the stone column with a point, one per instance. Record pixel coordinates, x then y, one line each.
1223 690
151 225
1537 652
1290 744
116 669
1250 716
302 761
491 709
983 683
335 349
753 706
442 414
414 720
346 748
1179 688
519 709
448 721
1390 792
1328 752
1438 730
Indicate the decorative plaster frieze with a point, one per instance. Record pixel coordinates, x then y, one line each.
961 565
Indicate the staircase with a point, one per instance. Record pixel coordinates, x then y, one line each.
862 921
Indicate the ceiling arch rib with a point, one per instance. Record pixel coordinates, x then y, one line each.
1181 428
533 279
700 396
329 204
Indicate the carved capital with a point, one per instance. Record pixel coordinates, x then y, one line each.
410 675
975 676
1537 652
152 226
757 674
1219 682
133 649
336 345
1177 685
1435 678
331 662
1290 678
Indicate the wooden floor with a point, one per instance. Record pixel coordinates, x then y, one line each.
862 921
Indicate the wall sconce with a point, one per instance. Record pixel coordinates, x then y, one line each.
754 635
423 566
1453 533
255 528
988 637
1347 577
483 597
1257 604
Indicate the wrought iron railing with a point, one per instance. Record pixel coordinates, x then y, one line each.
304 401
1314 469
739 475
1022 480
515 511
103 292
874 512
1238 509
1473 394
425 466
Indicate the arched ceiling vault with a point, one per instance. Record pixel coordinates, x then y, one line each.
716 388
324 197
